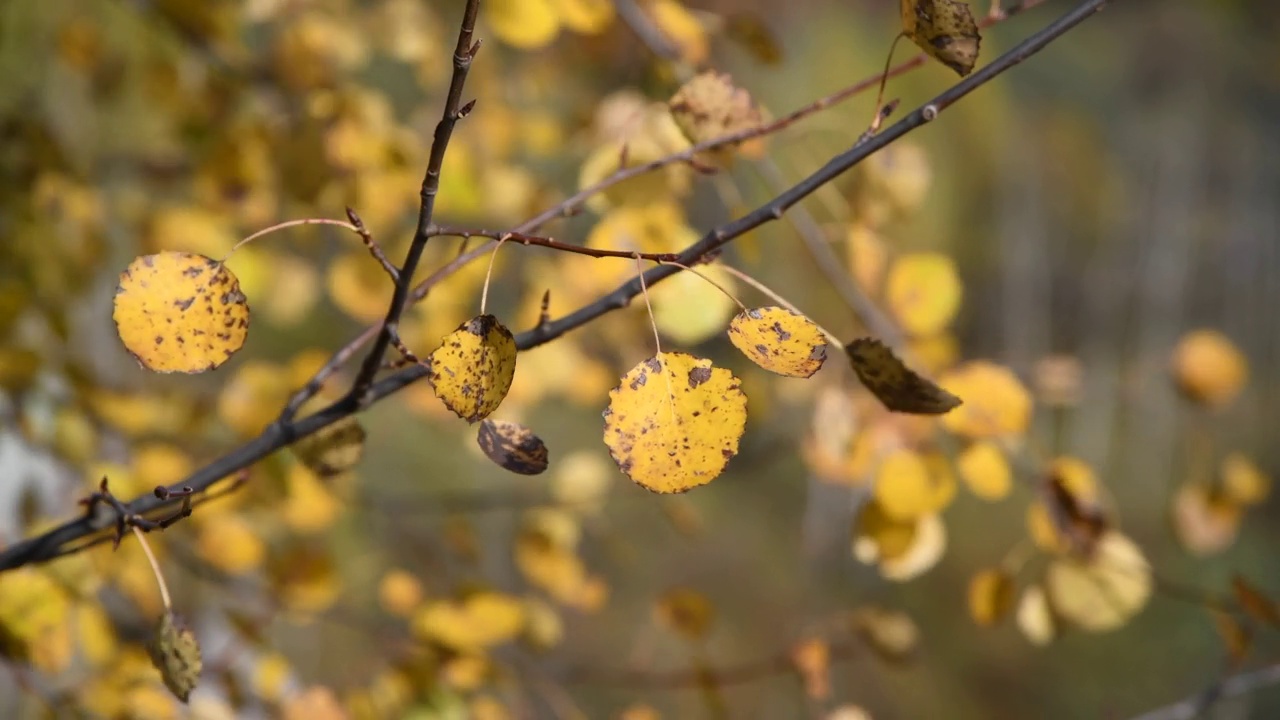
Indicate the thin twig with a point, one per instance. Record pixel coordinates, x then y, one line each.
155 568
47 545
454 111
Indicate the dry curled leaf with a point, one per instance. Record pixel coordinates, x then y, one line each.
674 422
945 29
473 368
893 383
176 654
779 340
512 446
180 312
333 450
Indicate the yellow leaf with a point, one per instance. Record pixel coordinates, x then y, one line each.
306 580
1034 617
524 24
333 450
1067 516
876 536
892 634
176 654
512 446
1242 481
997 404
1204 523
482 620
779 340
985 470
893 383
399 593
681 27
589 17
310 507
991 596
905 489
1209 368
580 481
1104 591
674 422
159 464
543 627
229 543
252 399
270 676
472 369
178 312
687 612
892 184
928 544
688 309
923 291
867 257
944 29
710 106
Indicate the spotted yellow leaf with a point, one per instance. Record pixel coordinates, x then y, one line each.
674 422
179 312
893 383
472 369
710 106
944 29
176 654
512 446
779 341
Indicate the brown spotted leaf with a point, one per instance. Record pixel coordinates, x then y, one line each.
472 369
779 340
944 29
674 422
893 383
176 654
180 312
512 446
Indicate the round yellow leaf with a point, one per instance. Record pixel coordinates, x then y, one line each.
923 291
674 422
683 28
1209 368
928 544
1242 481
399 593
179 312
985 470
359 286
524 24
688 309
310 506
473 368
1104 591
996 402
991 596
480 621
229 543
779 341
905 489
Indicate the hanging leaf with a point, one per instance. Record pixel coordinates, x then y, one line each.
333 450
1104 591
176 654
992 593
893 383
180 312
985 470
512 446
472 369
779 340
944 29
674 422
710 106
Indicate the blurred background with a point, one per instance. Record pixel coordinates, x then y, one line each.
1099 202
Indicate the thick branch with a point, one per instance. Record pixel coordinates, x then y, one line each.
49 544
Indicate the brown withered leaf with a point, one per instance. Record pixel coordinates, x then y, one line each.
1254 603
176 654
945 29
512 446
893 383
